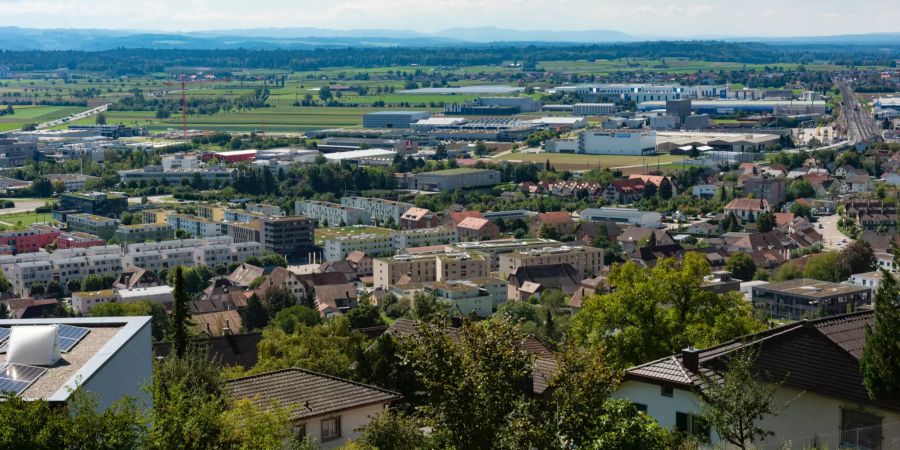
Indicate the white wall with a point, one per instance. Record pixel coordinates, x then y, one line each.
809 420
350 421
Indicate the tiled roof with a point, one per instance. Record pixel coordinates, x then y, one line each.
555 217
473 223
748 204
820 356
306 393
228 350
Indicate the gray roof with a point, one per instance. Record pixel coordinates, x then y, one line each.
307 393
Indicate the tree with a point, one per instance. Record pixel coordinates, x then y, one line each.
277 298
365 315
331 348
656 312
180 316
392 430
822 267
765 222
96 283
800 188
100 119
800 210
160 319
480 148
581 386
665 189
471 384
255 316
734 406
4 283
741 265
880 362
857 257
293 317
42 187
548 231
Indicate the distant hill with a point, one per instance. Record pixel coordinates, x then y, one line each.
14 38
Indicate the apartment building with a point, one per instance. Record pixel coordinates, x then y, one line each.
212 176
211 212
497 247
264 209
195 225
154 216
415 218
23 271
104 227
424 237
806 298
588 261
372 244
77 239
143 232
242 231
241 215
332 214
287 235
32 239
429 266
381 210
99 203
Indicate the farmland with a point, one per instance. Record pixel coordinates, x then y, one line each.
34 114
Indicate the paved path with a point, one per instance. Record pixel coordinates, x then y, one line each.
832 237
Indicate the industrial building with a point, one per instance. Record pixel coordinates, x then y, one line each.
15 153
642 92
449 179
647 219
491 106
593 109
369 156
393 119
667 141
719 107
607 142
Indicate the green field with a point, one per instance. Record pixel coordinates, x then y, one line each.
20 220
570 161
34 114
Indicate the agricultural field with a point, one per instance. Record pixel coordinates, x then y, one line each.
568 161
34 114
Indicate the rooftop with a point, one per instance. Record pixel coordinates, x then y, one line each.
307 393
805 287
457 171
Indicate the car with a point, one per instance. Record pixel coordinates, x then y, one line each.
820 226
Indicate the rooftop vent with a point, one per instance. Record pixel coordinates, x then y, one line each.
33 345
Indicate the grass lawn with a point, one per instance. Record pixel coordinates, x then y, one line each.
13 221
586 162
323 234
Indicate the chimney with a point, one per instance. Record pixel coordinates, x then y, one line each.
690 358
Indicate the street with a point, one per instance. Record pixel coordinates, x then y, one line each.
832 238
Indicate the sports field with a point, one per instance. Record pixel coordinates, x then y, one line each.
568 161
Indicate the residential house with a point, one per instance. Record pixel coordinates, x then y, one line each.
803 298
135 277
528 281
475 229
634 237
816 364
747 209
418 218
329 410
244 274
560 220
773 190
361 263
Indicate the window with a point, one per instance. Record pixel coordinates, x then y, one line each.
300 430
666 391
691 424
331 428
860 430
641 407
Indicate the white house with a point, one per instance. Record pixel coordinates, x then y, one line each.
817 358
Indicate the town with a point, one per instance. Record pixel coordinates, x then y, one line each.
566 246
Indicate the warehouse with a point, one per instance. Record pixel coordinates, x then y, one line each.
729 142
393 119
593 109
717 107
444 180
607 142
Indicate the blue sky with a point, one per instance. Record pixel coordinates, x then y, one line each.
675 18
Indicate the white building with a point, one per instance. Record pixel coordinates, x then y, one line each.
210 175
380 209
372 244
182 162
329 214
424 237
593 109
607 142
198 227
648 219
705 190
112 359
871 280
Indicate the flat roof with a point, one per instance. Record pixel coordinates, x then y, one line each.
456 171
806 287
353 154
474 89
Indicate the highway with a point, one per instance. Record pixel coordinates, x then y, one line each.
861 127
73 117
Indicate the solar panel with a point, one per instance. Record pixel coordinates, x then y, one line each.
69 336
4 333
16 378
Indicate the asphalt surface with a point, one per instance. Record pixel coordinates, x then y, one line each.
861 127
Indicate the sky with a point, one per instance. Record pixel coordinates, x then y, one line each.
648 18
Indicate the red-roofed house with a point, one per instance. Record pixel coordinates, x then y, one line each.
415 218
455 217
476 229
747 209
561 220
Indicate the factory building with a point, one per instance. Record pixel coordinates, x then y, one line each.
593 109
393 119
647 219
719 107
607 142
449 179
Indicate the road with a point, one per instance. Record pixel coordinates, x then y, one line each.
832 238
73 117
861 127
